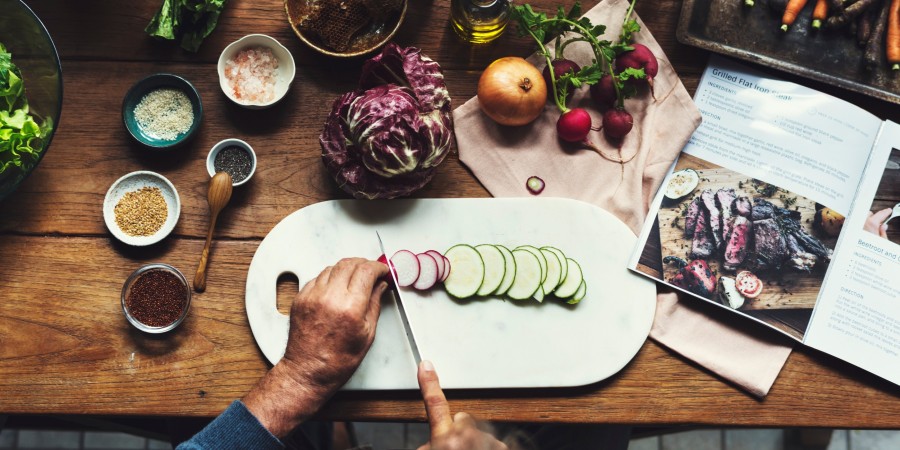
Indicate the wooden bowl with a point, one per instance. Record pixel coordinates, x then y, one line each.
375 39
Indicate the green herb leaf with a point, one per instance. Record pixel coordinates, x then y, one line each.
631 73
628 29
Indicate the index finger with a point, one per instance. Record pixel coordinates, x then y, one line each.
436 406
882 215
365 275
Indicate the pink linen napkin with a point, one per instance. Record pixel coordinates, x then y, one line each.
503 158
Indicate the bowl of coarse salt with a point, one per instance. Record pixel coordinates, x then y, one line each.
256 71
162 111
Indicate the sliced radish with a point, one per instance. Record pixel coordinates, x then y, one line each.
439 259
446 269
428 272
406 267
383 259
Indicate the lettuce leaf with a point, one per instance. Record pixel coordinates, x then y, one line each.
191 20
21 137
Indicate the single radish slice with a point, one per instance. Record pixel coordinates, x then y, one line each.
383 259
439 259
428 272
406 267
446 269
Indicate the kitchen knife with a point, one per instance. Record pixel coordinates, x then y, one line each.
410 337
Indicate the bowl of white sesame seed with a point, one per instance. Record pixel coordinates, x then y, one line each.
162 111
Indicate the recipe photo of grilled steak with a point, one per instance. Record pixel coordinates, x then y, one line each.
799 258
742 206
715 216
753 234
738 242
725 198
811 244
762 209
769 247
690 218
703 244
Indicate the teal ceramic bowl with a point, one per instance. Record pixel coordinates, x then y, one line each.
148 85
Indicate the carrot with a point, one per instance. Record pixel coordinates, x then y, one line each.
876 39
849 13
892 40
819 13
791 11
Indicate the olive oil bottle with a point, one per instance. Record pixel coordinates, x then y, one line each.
479 21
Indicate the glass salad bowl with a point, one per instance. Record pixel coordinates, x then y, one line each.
25 37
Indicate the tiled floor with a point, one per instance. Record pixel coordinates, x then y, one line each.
409 436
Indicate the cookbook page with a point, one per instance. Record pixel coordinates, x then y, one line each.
858 317
735 221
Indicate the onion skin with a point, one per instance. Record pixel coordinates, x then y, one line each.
512 92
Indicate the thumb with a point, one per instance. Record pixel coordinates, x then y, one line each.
436 406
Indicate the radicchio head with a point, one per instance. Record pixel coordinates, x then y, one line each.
385 139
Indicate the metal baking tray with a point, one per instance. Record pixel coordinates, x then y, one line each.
752 34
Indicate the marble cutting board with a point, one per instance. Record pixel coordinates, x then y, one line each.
478 343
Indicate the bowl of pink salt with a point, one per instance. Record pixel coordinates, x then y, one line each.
256 71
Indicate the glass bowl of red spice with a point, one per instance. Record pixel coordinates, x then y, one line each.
156 298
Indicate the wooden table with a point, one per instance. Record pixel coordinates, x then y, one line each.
66 348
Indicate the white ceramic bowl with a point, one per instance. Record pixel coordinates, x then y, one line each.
286 68
132 182
211 157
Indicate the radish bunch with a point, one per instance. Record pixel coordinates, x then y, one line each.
614 75
419 270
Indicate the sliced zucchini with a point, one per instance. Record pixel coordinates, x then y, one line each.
563 265
682 183
494 268
540 257
528 275
466 271
553 272
572 282
510 272
579 294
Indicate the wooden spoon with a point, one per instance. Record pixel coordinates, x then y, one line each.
218 196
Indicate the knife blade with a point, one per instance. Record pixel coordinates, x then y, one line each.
398 299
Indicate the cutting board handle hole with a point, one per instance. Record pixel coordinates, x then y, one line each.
288 287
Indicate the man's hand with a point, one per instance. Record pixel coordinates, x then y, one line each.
875 223
333 321
457 433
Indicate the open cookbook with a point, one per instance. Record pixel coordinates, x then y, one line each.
780 209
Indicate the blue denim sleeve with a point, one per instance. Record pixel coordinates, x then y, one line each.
235 429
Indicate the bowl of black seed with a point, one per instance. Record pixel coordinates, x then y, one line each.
234 157
156 298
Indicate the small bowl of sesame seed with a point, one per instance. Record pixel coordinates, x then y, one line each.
233 156
141 208
162 111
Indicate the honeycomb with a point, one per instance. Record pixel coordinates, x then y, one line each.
336 22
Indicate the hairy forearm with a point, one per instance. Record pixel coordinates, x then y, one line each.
281 401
